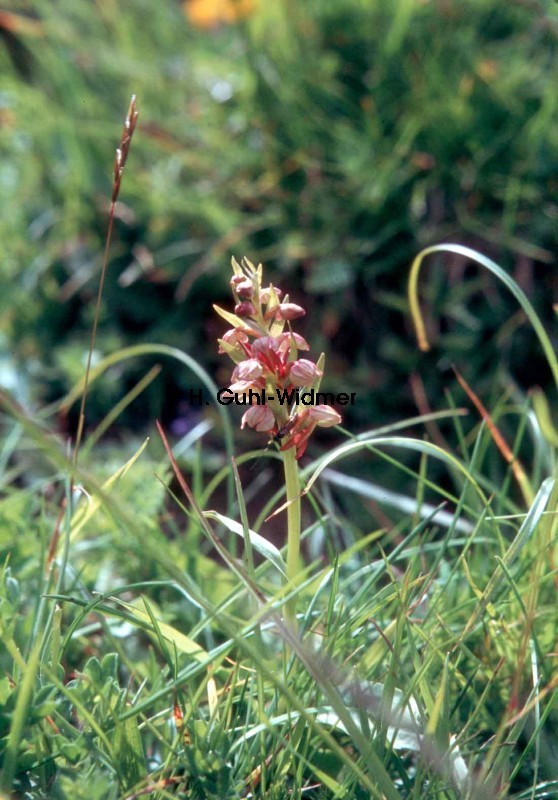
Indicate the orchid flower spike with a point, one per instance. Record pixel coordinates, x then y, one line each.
268 372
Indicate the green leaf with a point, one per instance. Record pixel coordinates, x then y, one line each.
544 417
19 717
182 642
128 755
491 266
5 690
85 512
259 543
417 445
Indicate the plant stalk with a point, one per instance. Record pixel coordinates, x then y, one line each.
292 485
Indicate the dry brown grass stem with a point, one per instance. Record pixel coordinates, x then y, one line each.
119 163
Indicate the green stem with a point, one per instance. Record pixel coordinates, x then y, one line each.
292 485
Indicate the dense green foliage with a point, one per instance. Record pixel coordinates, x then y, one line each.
135 662
142 646
330 140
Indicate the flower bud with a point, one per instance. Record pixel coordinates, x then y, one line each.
242 387
245 309
290 338
247 370
324 416
235 280
245 290
235 336
287 311
260 418
303 372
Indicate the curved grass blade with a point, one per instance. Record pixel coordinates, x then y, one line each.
417 445
492 267
259 543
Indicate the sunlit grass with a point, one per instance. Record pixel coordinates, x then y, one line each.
145 649
138 650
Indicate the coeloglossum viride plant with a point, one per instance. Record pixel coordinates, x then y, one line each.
267 376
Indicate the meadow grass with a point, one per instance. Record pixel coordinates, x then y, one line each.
145 648
142 655
330 139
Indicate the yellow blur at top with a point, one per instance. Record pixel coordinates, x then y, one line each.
210 13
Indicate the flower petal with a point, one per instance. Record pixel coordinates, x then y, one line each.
303 372
288 311
324 416
247 370
260 418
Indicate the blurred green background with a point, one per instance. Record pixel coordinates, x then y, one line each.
329 139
